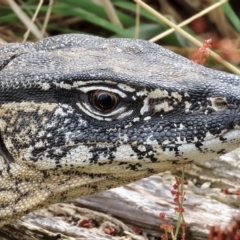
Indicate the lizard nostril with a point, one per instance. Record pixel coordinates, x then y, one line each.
219 103
103 101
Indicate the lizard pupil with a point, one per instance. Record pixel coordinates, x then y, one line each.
103 101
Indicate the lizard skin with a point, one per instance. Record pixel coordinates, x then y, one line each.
80 114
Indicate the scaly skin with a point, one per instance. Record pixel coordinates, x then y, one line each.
80 114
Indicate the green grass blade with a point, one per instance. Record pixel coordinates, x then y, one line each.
90 17
233 18
100 11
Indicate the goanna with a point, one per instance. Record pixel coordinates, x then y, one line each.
80 114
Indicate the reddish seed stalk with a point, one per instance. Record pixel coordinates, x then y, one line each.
178 194
202 53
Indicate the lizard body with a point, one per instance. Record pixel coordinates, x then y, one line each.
80 114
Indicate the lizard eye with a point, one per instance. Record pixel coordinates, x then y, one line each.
103 101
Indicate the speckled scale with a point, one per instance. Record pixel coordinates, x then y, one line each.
56 145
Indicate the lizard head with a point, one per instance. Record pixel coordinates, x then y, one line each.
87 108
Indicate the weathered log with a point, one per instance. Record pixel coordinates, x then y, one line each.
112 214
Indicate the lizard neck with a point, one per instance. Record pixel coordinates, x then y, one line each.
23 193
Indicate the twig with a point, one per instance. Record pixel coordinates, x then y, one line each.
46 20
136 35
110 10
184 23
25 19
25 36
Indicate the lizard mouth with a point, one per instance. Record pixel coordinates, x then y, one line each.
85 157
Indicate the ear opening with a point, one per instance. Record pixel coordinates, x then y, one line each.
219 103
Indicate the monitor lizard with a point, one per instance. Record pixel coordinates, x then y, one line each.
80 114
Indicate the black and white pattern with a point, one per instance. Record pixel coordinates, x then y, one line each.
161 111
